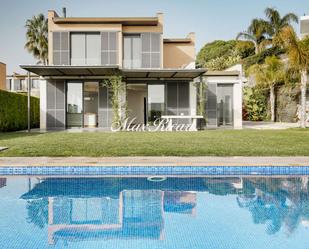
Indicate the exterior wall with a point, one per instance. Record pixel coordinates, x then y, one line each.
179 55
2 76
135 101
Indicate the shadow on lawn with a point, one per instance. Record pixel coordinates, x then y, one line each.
17 134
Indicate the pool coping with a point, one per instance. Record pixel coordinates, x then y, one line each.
172 161
143 166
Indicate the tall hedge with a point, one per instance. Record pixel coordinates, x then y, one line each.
13 111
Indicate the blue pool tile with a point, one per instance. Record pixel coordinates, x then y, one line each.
157 170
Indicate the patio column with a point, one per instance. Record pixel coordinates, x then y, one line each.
29 103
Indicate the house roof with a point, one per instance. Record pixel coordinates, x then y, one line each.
177 40
132 21
163 73
47 71
87 71
221 73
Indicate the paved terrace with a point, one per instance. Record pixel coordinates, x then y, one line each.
154 161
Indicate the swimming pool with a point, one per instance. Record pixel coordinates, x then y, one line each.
140 212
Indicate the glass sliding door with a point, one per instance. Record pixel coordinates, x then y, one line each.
156 101
91 104
225 104
74 104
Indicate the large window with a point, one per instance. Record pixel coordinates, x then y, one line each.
156 101
132 51
85 49
170 98
177 98
225 104
74 104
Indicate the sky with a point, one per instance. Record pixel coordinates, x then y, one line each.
209 19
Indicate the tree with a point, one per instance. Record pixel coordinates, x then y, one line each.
257 34
269 74
37 38
218 55
298 54
276 23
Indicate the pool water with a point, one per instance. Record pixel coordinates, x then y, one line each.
181 213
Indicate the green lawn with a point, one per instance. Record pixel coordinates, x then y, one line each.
293 142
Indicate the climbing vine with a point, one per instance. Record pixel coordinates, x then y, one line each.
119 106
201 88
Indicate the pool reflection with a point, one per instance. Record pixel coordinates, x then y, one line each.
89 208
118 208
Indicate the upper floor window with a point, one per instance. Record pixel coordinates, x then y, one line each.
9 84
85 49
142 50
132 51
90 48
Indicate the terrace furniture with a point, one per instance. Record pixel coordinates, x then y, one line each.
192 118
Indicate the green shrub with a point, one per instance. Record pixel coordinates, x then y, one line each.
219 55
260 58
13 111
254 104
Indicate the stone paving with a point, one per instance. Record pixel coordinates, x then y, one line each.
261 125
154 161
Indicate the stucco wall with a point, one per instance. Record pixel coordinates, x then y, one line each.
135 100
179 54
2 76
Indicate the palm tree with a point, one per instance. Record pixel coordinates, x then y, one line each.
37 38
269 75
276 23
298 54
256 33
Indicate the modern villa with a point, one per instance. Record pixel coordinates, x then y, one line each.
159 74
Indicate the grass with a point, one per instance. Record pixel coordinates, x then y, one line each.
292 142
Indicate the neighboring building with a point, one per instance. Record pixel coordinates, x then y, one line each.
159 73
304 26
19 83
2 76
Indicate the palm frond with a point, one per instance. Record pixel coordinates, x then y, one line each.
37 37
289 18
297 51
